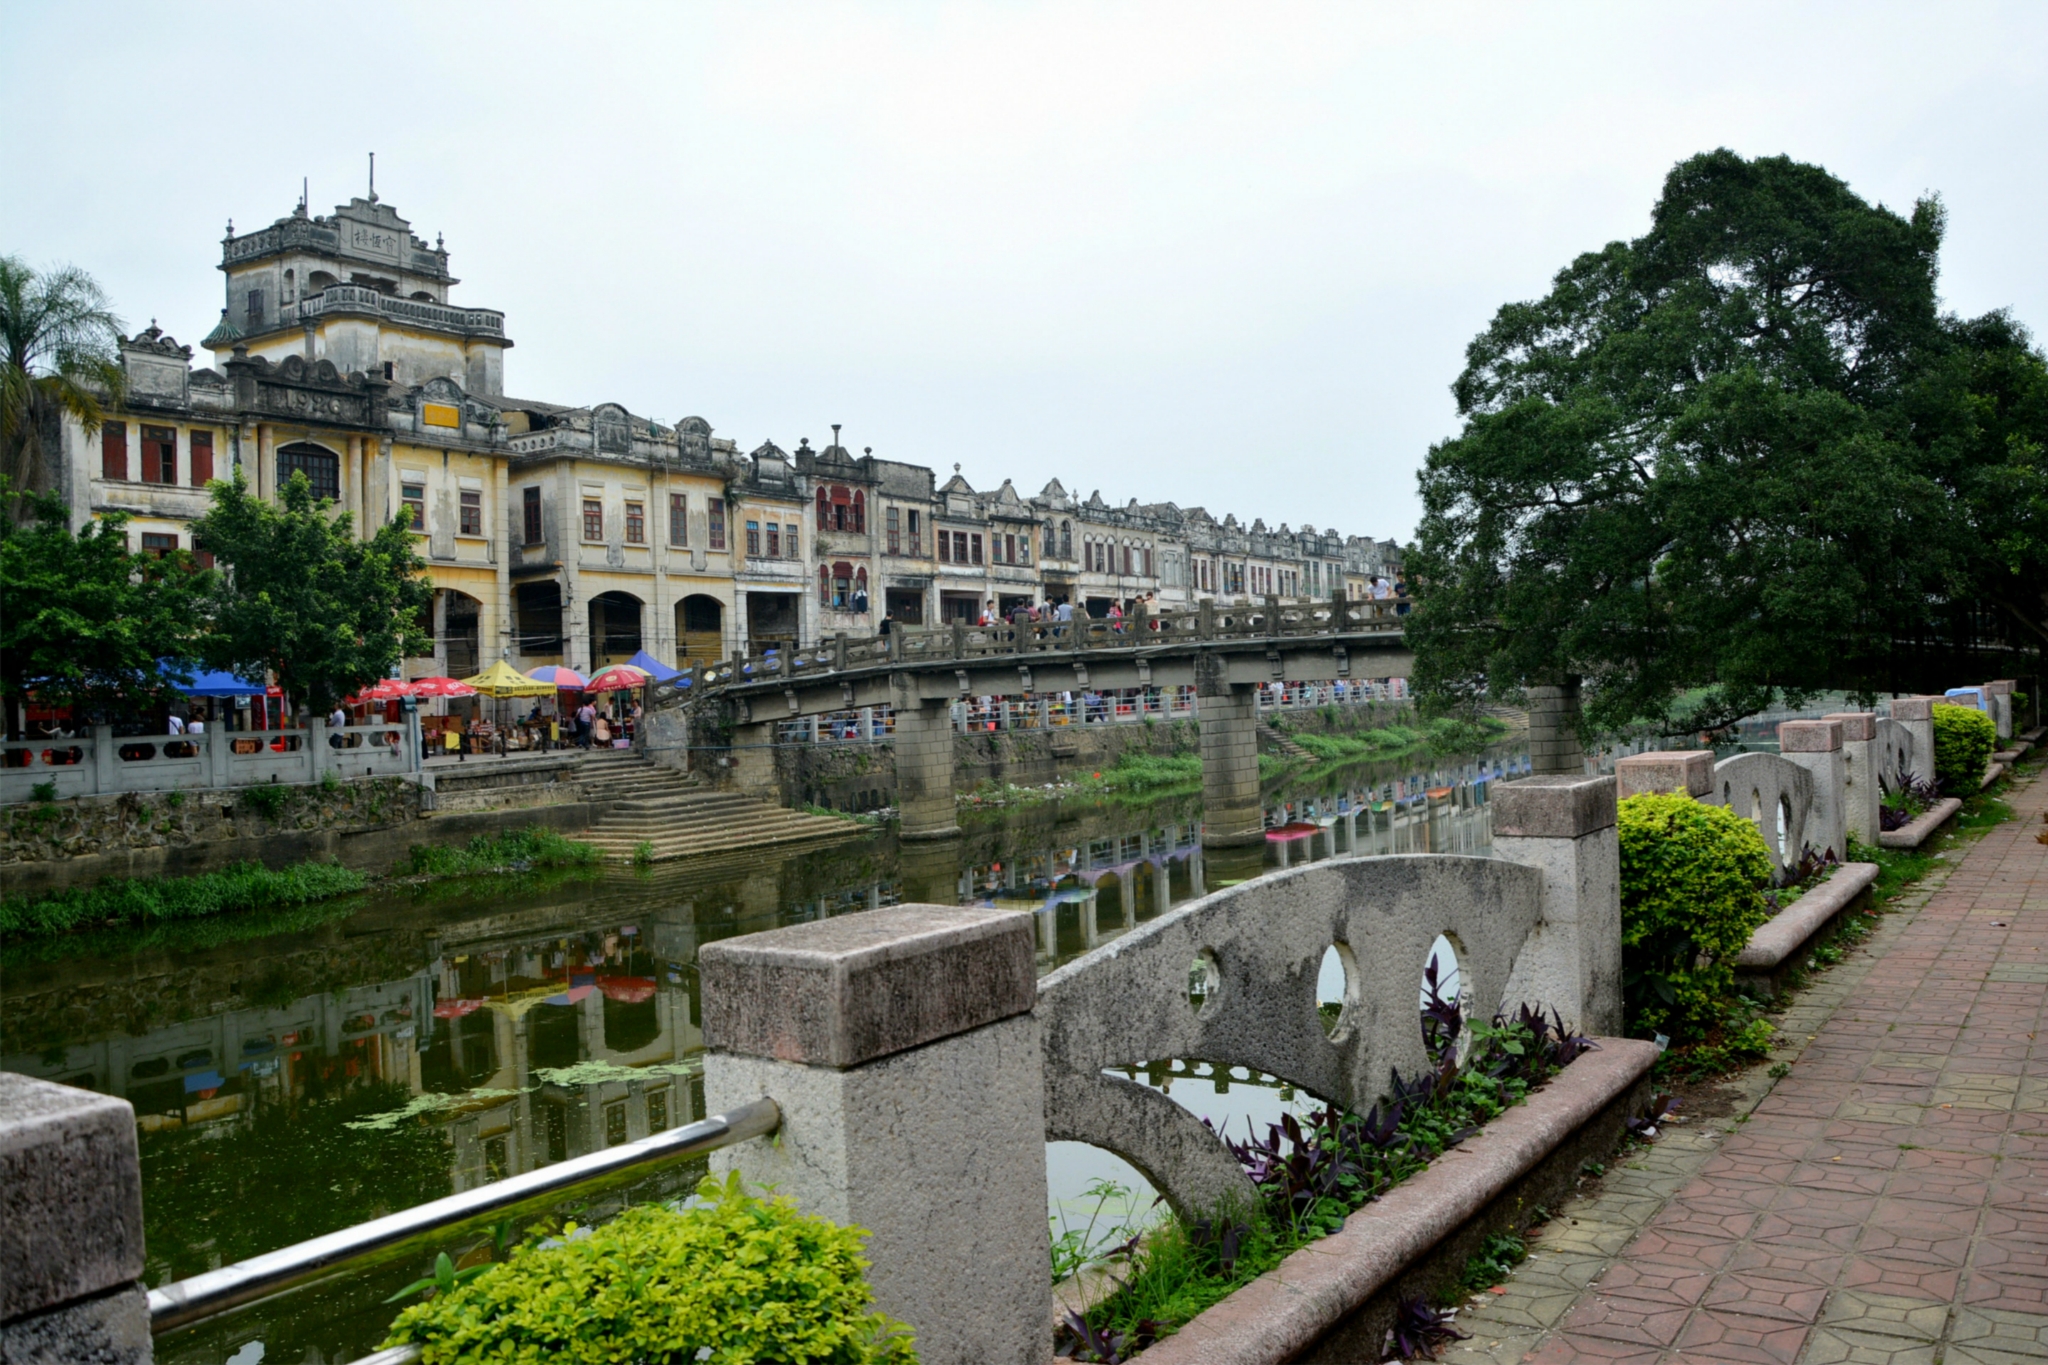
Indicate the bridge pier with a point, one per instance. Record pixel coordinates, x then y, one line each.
924 770
753 760
1554 730
1231 817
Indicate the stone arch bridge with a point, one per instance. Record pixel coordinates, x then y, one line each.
1224 652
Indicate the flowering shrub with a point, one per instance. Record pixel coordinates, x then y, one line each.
1692 891
734 1279
1963 740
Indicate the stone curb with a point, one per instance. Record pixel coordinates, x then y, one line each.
1776 938
1991 774
1287 1310
1919 831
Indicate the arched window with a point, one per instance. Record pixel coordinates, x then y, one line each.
321 466
860 510
1066 540
290 278
824 511
1049 541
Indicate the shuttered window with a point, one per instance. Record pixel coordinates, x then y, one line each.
113 450
202 458
531 500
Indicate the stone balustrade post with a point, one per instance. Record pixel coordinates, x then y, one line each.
105 762
1816 745
1564 826
70 1228
319 756
1917 715
219 745
902 1051
1659 771
1862 794
1999 694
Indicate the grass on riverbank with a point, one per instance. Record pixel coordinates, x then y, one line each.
154 900
1442 735
517 850
123 906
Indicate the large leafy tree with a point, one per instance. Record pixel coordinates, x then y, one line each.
300 596
82 619
59 354
1705 466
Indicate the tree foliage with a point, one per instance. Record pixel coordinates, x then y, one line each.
59 354
1740 453
301 596
86 621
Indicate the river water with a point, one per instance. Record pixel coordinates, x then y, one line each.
301 1073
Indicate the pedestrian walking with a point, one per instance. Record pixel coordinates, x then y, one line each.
586 718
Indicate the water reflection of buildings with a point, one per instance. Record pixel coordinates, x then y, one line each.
534 1032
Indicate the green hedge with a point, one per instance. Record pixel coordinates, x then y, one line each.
1964 738
734 1279
1692 892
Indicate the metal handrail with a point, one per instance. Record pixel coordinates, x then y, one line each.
216 1291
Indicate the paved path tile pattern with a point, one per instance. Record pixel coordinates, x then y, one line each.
1884 1203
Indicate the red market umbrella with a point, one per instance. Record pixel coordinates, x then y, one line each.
617 678
627 990
440 687
391 689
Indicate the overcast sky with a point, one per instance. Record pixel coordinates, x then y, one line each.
1223 255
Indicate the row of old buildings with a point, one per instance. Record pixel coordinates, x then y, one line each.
558 533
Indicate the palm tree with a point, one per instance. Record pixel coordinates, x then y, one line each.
59 353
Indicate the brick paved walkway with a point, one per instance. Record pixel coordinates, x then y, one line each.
1885 1202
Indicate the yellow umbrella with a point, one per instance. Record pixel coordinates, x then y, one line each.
503 680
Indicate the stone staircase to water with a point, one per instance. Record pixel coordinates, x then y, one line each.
1279 741
679 816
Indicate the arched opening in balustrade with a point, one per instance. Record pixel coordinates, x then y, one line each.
1445 1003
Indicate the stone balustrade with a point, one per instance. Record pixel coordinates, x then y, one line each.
104 764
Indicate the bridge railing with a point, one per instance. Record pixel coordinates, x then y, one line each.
1272 618
1048 710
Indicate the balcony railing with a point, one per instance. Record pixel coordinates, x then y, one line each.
355 298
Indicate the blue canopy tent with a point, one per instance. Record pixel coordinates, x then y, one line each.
222 685
653 667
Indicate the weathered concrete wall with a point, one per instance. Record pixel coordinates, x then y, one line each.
369 826
98 825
